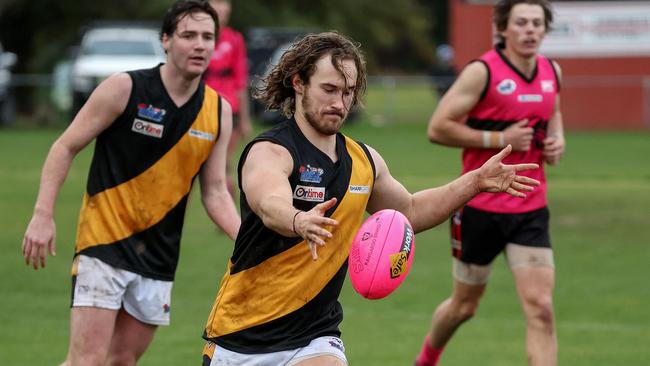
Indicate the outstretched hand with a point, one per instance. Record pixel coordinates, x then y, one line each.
314 227
494 176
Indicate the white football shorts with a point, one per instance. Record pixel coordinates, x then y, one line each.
100 285
321 346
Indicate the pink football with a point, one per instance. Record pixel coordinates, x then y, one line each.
381 254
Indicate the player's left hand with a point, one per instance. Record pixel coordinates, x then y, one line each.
494 176
553 149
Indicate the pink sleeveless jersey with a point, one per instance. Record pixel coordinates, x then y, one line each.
508 98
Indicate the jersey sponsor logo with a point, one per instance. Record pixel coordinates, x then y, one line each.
201 135
147 128
310 174
548 86
309 194
530 98
507 87
151 112
359 189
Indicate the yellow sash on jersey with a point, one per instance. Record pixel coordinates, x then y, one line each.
141 202
284 283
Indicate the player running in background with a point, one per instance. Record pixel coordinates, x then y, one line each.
155 131
510 95
304 190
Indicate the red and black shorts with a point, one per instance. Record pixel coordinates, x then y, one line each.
479 236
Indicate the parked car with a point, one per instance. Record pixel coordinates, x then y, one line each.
264 115
7 101
265 46
109 48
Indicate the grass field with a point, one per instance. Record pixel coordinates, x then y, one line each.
599 199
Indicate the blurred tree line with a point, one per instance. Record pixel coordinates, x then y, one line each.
396 35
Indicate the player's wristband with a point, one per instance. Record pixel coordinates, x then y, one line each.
493 140
486 139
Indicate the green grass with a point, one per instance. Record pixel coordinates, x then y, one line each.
388 103
599 198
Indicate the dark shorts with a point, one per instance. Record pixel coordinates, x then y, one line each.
479 236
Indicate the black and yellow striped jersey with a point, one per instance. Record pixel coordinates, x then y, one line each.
273 296
141 174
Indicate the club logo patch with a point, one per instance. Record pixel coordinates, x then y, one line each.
507 87
309 194
201 135
147 128
310 174
151 112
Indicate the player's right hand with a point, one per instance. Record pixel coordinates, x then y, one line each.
40 238
519 135
314 227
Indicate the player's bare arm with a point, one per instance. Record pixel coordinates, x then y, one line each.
214 192
241 74
102 108
268 192
430 207
245 125
447 124
554 143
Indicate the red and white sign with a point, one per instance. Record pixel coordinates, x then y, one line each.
599 28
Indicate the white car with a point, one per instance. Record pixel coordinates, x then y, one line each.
7 102
106 50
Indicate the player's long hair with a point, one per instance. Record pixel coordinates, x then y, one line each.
502 13
276 90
